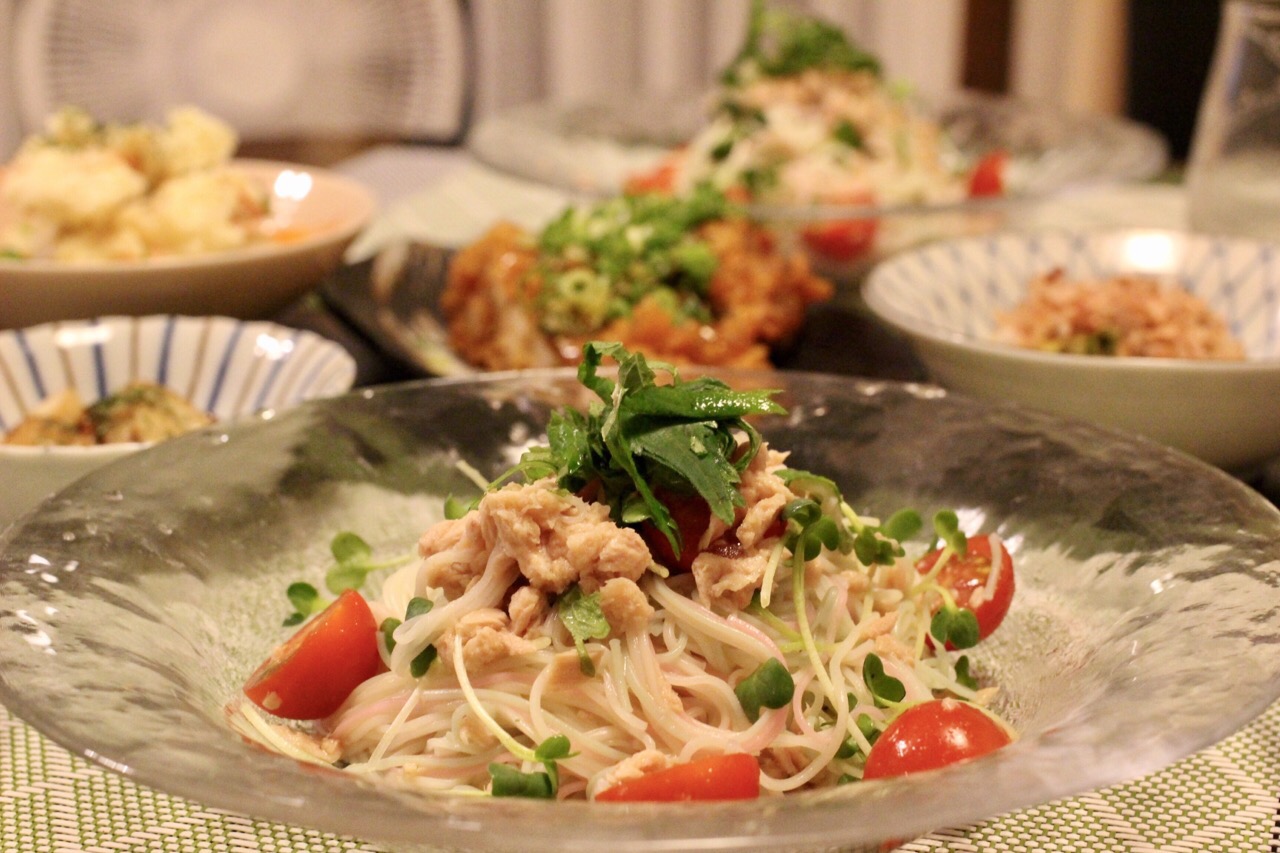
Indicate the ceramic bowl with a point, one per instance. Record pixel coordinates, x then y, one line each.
945 298
320 211
226 367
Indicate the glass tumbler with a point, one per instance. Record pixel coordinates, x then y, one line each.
1233 173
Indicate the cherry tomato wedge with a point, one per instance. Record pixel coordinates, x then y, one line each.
966 576
932 735
987 178
691 515
718 777
314 671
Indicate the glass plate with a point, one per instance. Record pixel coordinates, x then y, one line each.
592 149
1143 628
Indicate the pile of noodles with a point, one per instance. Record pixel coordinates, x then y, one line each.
663 687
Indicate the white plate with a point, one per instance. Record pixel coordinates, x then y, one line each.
251 282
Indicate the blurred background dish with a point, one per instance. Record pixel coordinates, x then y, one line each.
223 367
946 298
393 297
1121 641
316 213
595 148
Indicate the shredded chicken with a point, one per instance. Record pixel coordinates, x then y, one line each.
455 554
625 605
528 609
764 496
486 638
878 625
729 580
633 767
555 538
565 670
889 646
473 733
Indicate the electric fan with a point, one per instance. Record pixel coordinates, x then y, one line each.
273 69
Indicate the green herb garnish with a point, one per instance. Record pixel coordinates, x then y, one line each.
510 782
770 686
306 602
870 730
963 676
596 263
354 558
955 626
946 526
681 436
885 689
1101 342
582 617
808 529
422 661
782 43
846 133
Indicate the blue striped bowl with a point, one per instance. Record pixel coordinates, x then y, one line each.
230 368
945 298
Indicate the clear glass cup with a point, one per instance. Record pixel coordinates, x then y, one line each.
1233 173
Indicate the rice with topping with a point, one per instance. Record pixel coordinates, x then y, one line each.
1125 315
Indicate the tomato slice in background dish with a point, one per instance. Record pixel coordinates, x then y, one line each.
313 672
843 240
969 580
660 179
719 777
932 735
987 178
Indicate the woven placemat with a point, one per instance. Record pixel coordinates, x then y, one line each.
1221 799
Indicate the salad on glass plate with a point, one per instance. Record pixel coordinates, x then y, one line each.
807 129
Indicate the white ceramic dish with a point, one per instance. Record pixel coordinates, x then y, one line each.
945 298
223 366
1143 628
325 210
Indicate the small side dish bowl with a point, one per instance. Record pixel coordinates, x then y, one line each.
222 366
946 297
314 215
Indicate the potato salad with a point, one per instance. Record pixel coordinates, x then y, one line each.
87 191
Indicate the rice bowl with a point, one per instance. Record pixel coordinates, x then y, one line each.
946 297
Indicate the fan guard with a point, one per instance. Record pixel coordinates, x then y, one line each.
273 69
